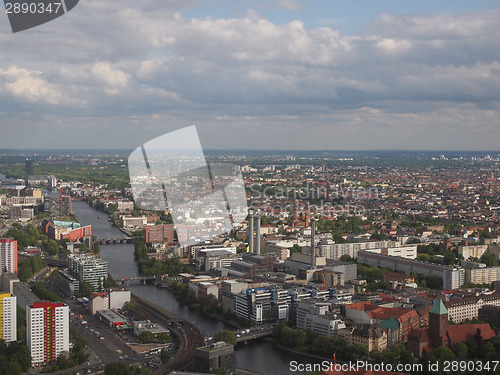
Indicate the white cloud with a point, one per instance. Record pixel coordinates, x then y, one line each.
153 65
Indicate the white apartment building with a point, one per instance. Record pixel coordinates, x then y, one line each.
453 277
482 275
332 250
47 331
8 255
8 317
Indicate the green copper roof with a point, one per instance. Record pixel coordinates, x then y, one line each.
438 308
391 324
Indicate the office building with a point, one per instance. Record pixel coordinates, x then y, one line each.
8 317
8 255
318 318
263 304
453 277
160 234
132 222
67 284
219 355
47 331
88 268
30 170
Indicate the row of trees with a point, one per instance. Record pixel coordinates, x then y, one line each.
44 294
27 268
326 346
120 368
31 236
342 224
148 336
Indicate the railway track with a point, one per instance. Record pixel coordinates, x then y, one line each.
188 336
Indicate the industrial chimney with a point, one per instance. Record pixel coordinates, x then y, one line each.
313 251
250 237
257 234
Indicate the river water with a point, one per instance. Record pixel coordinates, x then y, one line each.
259 356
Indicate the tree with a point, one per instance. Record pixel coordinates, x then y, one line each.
118 368
226 336
64 360
164 355
357 352
461 350
444 353
86 288
146 336
489 259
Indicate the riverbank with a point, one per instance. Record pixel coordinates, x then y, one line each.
293 351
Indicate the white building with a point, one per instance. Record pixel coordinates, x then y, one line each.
117 298
47 331
132 222
88 268
8 255
453 277
464 308
8 317
332 250
316 317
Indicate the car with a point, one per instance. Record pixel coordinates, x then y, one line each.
102 337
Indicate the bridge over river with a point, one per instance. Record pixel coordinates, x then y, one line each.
109 241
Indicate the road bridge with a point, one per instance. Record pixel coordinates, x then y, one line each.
254 334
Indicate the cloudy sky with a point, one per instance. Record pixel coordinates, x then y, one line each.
284 74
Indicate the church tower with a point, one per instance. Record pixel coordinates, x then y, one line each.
438 323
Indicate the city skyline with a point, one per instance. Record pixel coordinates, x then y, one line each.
257 75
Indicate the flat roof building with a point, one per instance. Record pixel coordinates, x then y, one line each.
215 356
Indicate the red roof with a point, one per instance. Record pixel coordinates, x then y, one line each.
44 305
463 332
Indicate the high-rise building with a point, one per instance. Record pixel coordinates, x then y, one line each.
65 202
47 330
8 255
8 317
30 171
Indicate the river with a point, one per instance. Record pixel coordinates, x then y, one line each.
259 356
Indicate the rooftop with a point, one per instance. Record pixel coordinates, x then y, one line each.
438 308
